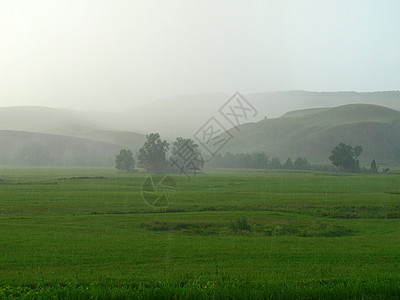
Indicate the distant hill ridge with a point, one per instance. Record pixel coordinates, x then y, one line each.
64 122
302 112
41 149
310 128
347 114
313 135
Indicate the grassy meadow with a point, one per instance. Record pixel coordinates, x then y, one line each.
233 234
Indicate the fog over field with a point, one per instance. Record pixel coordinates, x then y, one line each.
102 56
112 73
227 149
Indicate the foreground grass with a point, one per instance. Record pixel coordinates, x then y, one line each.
234 289
81 233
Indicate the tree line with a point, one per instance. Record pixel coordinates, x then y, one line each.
258 160
185 157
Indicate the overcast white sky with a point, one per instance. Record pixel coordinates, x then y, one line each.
113 55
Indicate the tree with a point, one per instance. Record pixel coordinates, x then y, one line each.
288 164
357 150
259 160
152 154
186 155
229 160
124 161
374 168
346 157
275 163
301 163
244 160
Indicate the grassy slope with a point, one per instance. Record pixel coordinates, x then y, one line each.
65 137
275 104
28 148
99 233
184 115
314 135
67 123
302 112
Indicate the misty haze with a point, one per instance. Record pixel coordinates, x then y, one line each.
199 149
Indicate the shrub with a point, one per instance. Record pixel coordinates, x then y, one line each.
240 225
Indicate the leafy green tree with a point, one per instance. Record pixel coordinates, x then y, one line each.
186 155
301 163
124 161
374 168
288 164
152 154
275 163
357 151
229 160
259 160
245 161
345 157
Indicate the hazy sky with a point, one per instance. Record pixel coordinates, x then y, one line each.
113 55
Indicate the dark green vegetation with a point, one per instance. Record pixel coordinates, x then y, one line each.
124 161
152 156
259 160
186 156
345 157
81 233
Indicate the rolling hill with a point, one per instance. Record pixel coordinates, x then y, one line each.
314 134
184 115
41 149
303 128
66 123
59 137
175 116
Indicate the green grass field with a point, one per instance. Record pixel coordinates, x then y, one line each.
87 233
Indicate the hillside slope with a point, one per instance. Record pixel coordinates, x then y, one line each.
313 135
311 132
176 116
275 104
184 115
67 123
39 149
